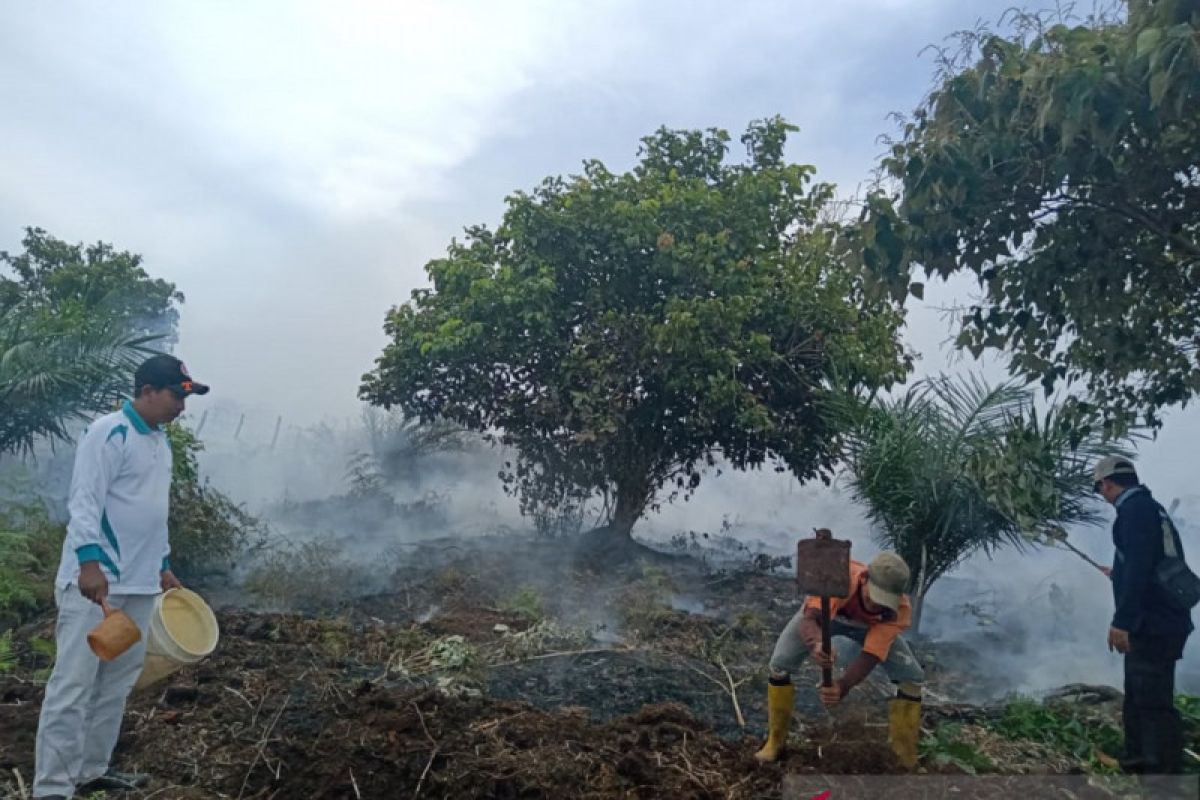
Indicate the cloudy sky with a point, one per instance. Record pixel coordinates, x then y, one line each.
291 166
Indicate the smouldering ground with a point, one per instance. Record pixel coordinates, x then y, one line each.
501 669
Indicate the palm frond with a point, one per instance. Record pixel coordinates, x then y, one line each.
52 373
955 466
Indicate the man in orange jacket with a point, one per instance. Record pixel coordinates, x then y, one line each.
872 617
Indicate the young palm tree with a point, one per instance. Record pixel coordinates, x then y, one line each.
954 467
53 372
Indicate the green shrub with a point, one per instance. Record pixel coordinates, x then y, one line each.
30 546
644 605
1189 709
946 747
43 653
1069 729
526 602
8 661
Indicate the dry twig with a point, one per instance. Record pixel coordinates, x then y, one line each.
23 792
262 745
729 688
231 690
737 707
432 754
564 654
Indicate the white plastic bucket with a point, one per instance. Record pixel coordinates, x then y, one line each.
182 630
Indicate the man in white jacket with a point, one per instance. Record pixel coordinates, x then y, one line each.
116 554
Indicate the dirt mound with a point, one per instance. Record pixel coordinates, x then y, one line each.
285 709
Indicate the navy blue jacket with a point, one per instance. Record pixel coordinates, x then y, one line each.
1138 537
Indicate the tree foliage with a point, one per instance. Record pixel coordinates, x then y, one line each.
53 374
74 322
623 330
57 277
951 468
1060 164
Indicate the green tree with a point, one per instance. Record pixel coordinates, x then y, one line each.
1060 164
54 374
624 330
951 468
97 280
74 323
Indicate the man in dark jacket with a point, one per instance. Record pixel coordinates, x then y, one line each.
1147 628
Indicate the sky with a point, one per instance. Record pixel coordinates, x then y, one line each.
292 166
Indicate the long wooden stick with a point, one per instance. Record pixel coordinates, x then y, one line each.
826 642
1081 554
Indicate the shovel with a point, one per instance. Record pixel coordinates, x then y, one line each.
823 570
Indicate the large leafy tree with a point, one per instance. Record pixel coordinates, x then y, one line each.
1060 164
624 330
96 280
74 322
954 467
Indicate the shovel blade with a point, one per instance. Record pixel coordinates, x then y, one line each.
823 567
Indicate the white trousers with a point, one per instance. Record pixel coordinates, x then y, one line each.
85 697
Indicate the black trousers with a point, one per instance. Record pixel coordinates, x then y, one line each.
1153 727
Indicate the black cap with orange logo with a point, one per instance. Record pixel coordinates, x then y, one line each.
166 372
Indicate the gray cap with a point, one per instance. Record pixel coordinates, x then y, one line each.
1112 465
887 579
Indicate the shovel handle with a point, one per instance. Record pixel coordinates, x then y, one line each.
826 643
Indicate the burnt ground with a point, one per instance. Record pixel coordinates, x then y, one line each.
494 669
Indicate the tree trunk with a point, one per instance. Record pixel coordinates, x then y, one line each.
612 544
920 589
630 505
918 603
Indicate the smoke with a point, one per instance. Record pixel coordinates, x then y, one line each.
1019 621
327 480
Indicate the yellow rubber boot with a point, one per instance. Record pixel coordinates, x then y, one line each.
780 701
904 729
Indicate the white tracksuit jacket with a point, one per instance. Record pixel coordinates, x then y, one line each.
118 504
